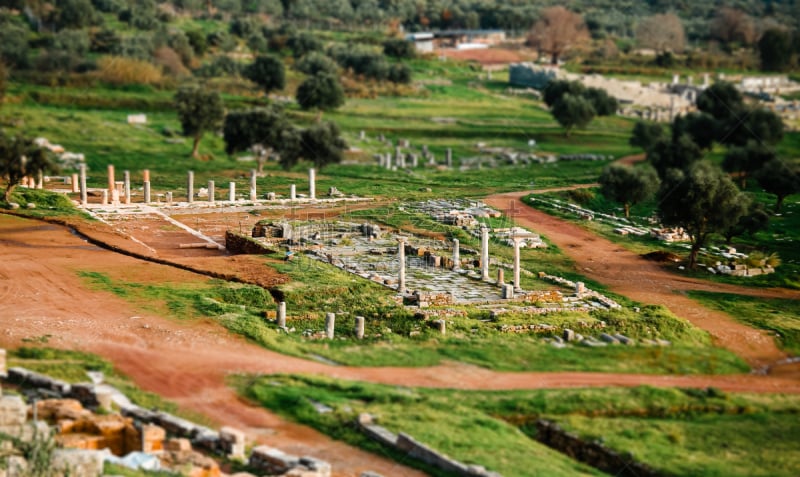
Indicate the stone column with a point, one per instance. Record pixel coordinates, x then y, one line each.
282 314
253 192
169 198
389 160
84 195
232 191
111 183
414 161
146 192
401 260
104 201
190 187
456 255
360 327
449 157
398 157
74 183
293 192
146 175
580 289
517 286
312 184
330 321
127 187
211 192
40 180
501 277
676 78
484 253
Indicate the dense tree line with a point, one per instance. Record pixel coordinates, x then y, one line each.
695 194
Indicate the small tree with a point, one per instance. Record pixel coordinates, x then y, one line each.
20 157
746 160
775 49
302 44
628 185
676 153
572 111
557 31
779 178
701 127
315 63
399 48
754 220
721 100
321 144
645 134
663 32
322 92
555 89
268 72
261 129
199 111
702 200
601 101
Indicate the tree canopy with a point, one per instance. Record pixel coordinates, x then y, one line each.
268 72
780 178
321 144
572 111
662 32
199 111
646 134
702 200
557 31
20 157
322 91
261 130
628 185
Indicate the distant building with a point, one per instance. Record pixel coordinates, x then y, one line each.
426 42
422 41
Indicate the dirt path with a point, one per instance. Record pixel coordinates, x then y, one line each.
626 273
42 298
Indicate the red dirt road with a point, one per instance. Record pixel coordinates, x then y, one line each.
628 274
41 294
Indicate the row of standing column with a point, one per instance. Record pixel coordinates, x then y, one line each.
401 257
112 193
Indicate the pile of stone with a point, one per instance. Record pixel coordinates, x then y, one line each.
670 235
136 438
581 292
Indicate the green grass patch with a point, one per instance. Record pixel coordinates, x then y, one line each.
484 426
396 338
781 316
762 444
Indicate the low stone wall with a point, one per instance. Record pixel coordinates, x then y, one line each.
407 444
241 244
592 453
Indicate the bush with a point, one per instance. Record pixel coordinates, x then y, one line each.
219 66
399 48
315 62
302 44
122 71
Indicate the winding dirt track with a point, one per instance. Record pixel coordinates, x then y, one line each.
41 295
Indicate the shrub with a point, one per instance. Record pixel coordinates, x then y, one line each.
119 70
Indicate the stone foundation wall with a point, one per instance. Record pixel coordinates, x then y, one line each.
593 453
417 450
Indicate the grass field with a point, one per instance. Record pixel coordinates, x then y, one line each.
678 432
782 317
398 339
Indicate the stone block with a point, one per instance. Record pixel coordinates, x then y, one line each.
321 467
178 445
232 442
77 463
568 335
13 411
153 438
269 459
